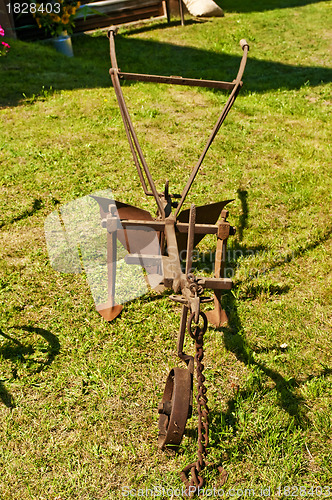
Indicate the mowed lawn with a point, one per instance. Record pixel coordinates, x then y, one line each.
79 396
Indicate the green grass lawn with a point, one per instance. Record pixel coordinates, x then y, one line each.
78 396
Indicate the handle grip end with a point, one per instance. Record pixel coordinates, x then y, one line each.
113 30
244 43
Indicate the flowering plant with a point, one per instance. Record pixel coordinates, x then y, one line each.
3 46
59 19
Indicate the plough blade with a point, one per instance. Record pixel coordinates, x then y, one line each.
205 214
109 313
217 316
138 239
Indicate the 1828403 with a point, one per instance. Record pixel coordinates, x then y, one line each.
32 8
305 491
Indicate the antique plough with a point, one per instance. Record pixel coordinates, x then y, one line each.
178 231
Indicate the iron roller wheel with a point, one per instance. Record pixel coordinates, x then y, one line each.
175 407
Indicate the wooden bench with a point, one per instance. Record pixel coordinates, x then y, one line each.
115 12
111 12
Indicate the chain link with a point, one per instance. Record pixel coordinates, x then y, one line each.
195 469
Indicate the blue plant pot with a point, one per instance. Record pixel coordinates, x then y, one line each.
62 44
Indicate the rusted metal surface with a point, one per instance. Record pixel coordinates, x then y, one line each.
194 469
175 407
179 231
176 80
218 316
206 218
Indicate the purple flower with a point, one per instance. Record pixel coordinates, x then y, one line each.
5 44
2 31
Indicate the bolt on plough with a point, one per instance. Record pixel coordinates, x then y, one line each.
157 244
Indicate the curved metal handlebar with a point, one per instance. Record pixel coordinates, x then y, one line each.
132 138
245 47
230 101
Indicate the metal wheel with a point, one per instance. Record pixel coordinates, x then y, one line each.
175 407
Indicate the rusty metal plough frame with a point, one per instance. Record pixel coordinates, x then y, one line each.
177 230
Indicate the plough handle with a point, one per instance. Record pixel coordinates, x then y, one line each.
244 43
134 145
245 47
237 85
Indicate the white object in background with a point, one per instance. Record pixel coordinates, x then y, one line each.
203 8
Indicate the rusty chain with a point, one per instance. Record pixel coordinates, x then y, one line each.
195 469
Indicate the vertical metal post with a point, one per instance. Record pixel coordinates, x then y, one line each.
181 12
166 10
191 236
111 267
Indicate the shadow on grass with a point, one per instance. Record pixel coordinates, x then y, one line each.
36 206
288 400
243 220
6 397
21 353
234 342
301 250
205 261
53 343
32 68
237 250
